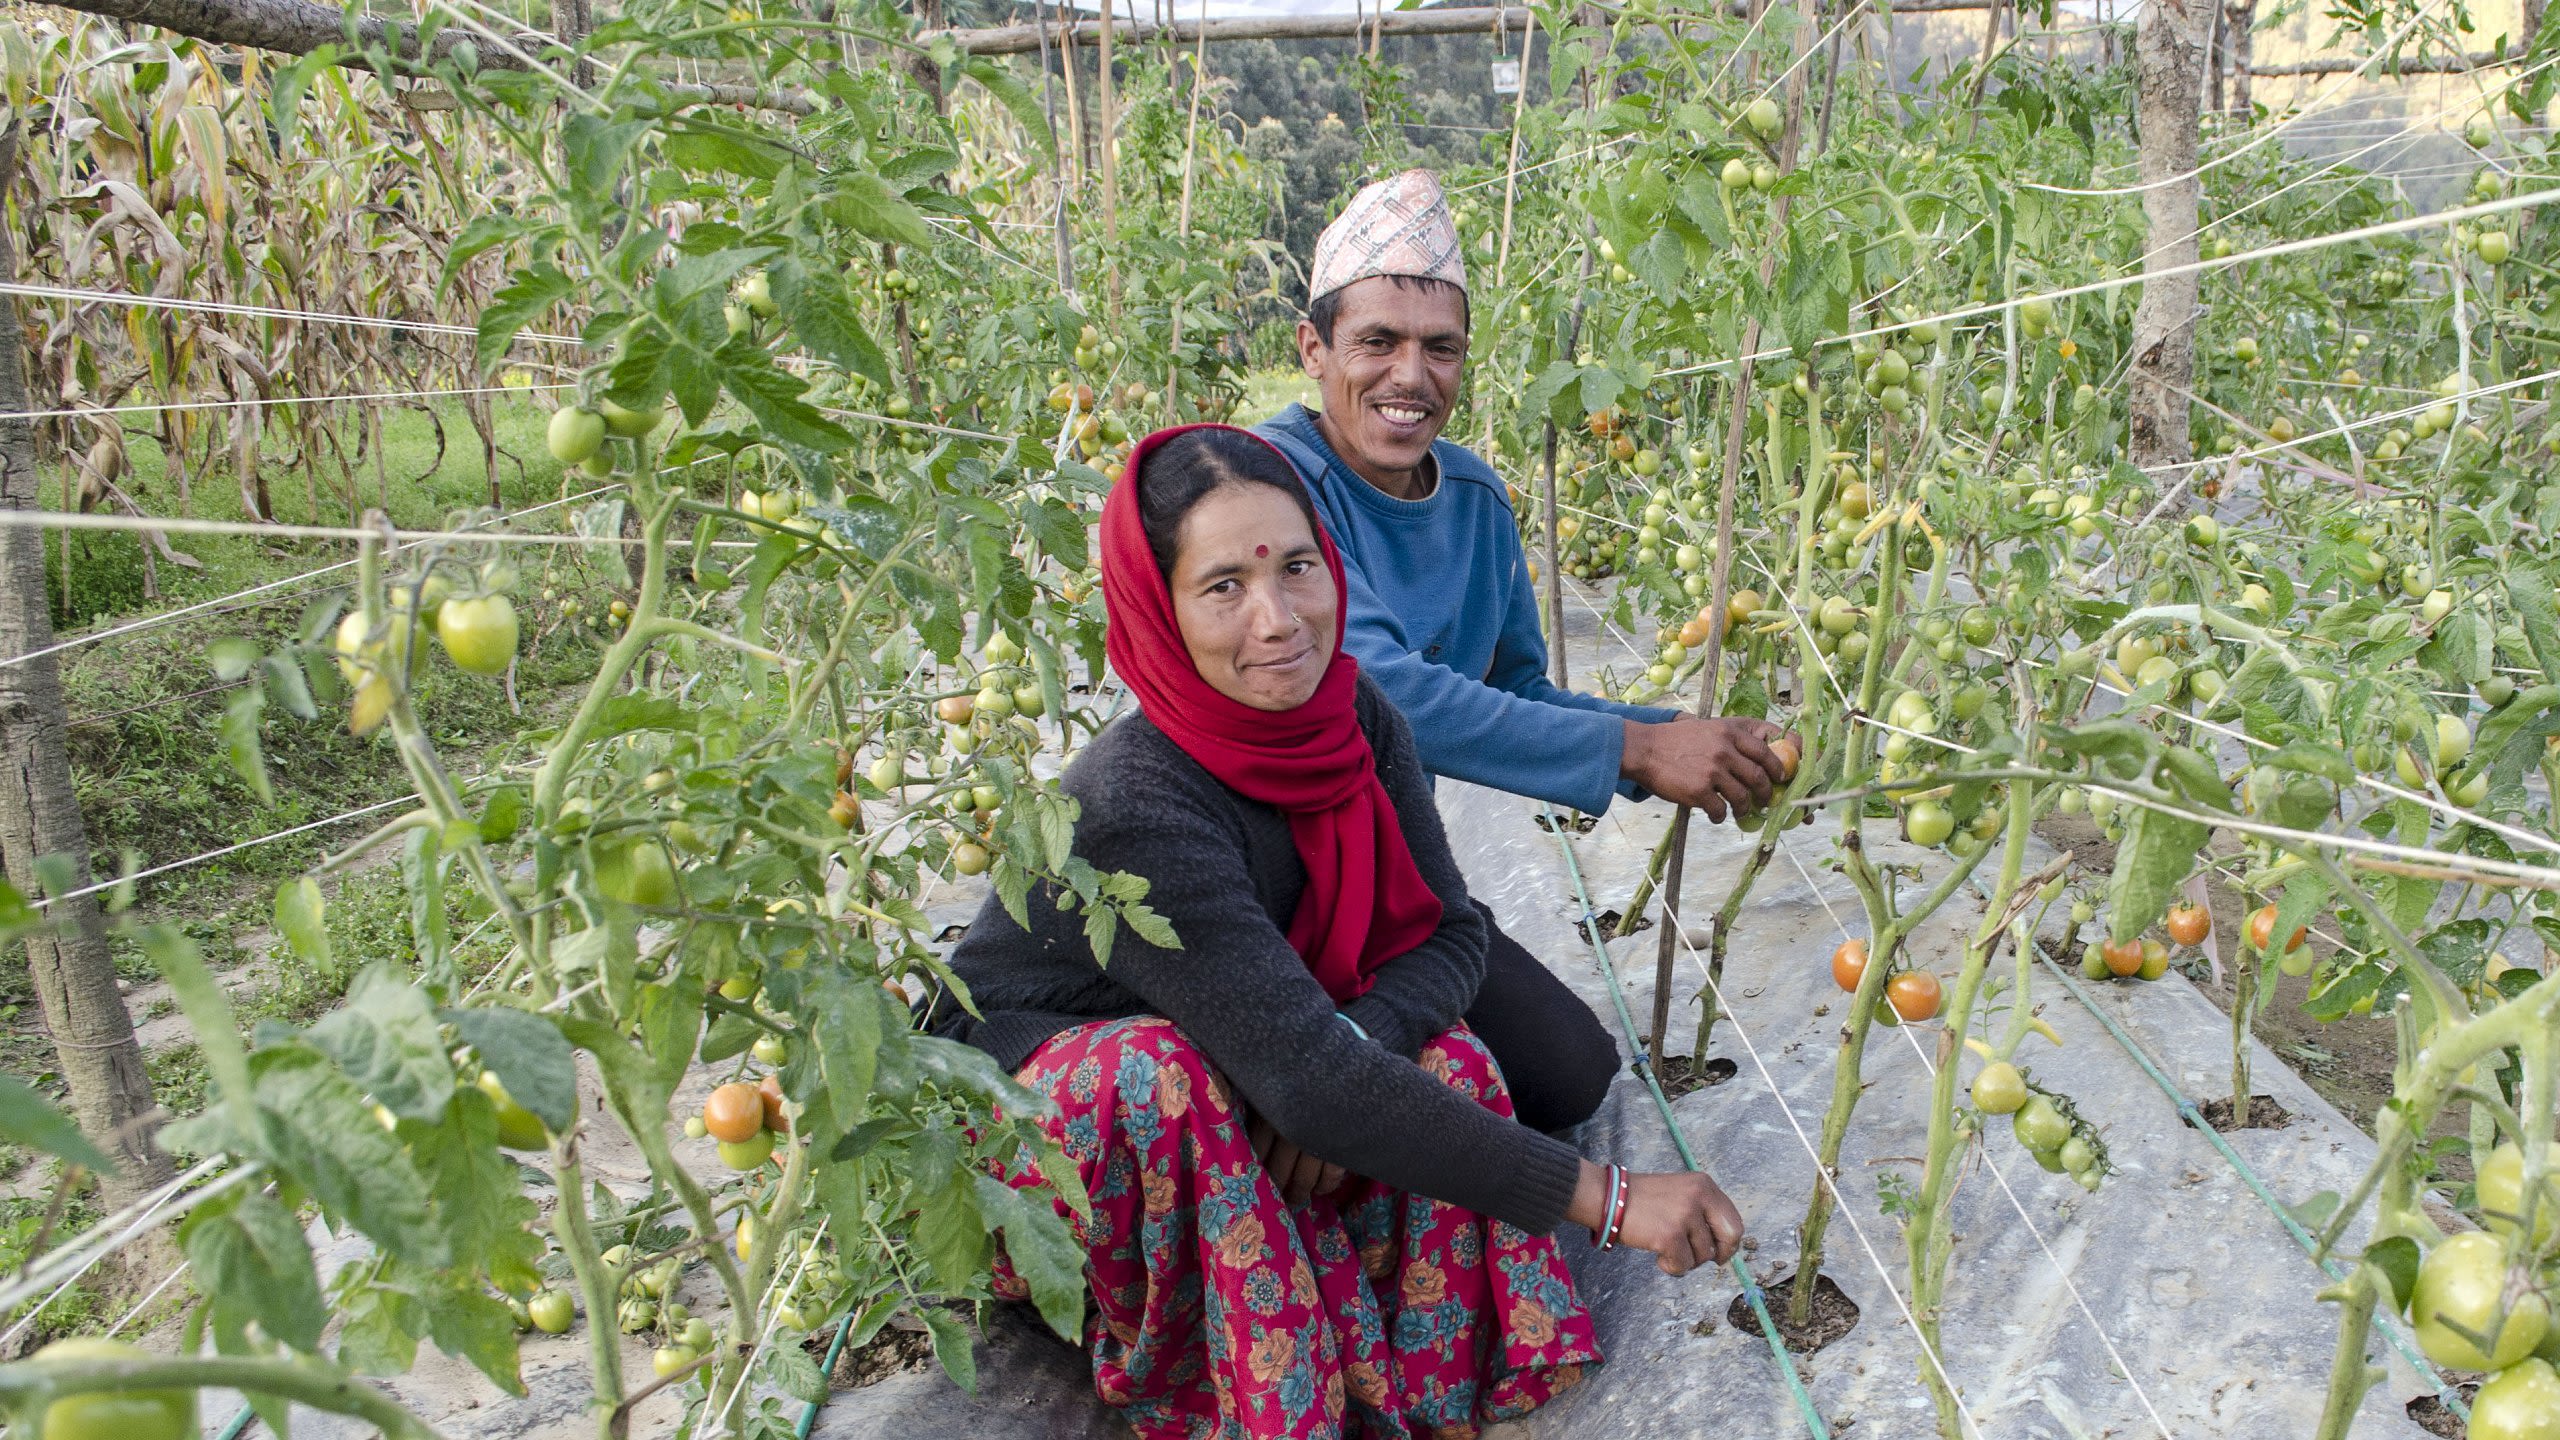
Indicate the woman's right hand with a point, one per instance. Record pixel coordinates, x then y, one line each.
1683 1217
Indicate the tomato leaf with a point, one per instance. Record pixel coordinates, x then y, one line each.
729 1035
847 1027
2397 1258
865 202
385 1038
514 307
2157 853
251 1260
208 1014
952 1347
466 1320
479 1193
240 740
1043 1251
27 1118
789 1369
531 1056
381 1325
315 1125
822 318
301 918
422 865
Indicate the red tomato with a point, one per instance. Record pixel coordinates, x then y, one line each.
1849 963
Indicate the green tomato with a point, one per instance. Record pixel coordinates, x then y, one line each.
668 1359
552 1311
2453 741
888 773
2521 1402
1764 118
634 871
630 424
769 1050
518 1128
749 1153
2039 1125
154 1414
1999 1089
2500 1183
1929 823
1027 700
2463 1283
697 1335
2077 1156
479 633
574 434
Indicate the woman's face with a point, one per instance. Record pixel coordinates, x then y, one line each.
1253 596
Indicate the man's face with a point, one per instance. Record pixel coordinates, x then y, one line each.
1390 377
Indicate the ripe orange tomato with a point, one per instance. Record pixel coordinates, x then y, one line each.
1849 963
769 1096
734 1113
2262 929
2189 924
2124 959
1789 754
1914 994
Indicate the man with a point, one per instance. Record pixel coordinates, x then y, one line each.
1443 612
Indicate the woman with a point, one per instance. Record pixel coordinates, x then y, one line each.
1312 1212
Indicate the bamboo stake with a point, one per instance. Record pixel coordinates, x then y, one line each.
1057 154
1510 179
1720 581
1190 164
1107 122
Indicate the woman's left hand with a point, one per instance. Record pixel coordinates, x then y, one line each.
1300 1176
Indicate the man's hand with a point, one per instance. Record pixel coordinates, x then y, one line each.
1300 1176
1721 765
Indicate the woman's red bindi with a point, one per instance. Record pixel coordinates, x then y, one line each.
1262 552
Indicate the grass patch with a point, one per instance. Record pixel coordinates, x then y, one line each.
1268 392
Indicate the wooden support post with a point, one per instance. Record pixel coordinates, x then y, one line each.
74 976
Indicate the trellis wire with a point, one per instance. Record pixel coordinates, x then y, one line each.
1822 1176
165 616
2272 132
2442 219
140 875
79 520
262 312
256 402
1674 918
77 1258
2541 877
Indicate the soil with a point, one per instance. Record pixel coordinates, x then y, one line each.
2264 1114
2347 1060
894 1351
1678 1079
1609 922
2434 1417
1834 1313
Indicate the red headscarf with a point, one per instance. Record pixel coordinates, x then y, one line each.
1365 903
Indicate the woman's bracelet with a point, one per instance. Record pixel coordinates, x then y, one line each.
1346 1019
1615 1216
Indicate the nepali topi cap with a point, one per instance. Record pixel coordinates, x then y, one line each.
1397 226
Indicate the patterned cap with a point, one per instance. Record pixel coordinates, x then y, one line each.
1398 226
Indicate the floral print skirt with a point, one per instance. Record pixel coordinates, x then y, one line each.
1220 1313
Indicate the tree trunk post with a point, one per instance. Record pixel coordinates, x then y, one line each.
75 979
2168 55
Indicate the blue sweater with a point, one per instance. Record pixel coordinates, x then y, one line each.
1445 617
